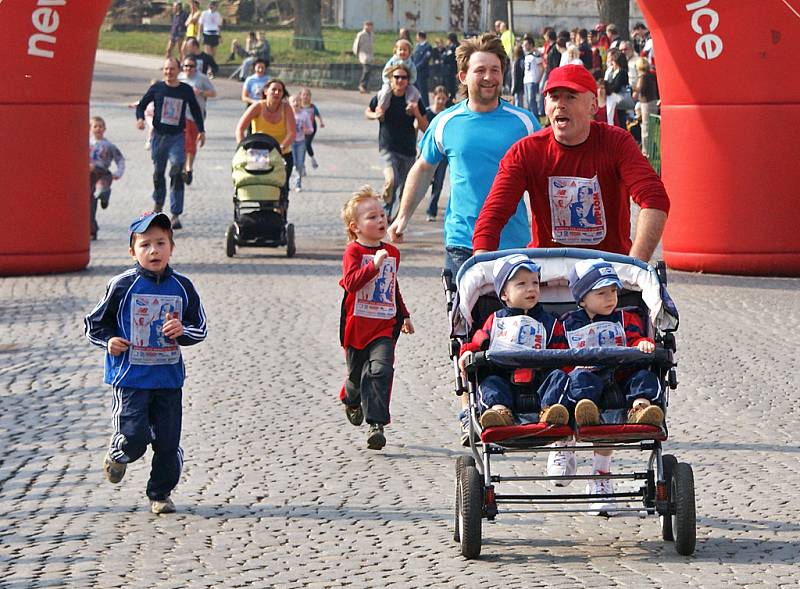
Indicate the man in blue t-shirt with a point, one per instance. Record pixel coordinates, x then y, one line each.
473 136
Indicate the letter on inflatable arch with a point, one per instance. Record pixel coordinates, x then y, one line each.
730 112
44 133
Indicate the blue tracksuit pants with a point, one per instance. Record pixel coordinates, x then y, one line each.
568 389
143 417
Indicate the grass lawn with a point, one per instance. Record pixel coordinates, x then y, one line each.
338 44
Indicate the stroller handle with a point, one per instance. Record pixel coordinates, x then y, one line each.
608 357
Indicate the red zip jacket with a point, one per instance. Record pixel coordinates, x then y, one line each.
372 305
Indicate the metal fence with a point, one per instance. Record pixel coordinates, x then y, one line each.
654 143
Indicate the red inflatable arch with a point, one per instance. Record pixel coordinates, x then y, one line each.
730 94
44 133
730 118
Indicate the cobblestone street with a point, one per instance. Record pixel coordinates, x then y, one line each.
278 489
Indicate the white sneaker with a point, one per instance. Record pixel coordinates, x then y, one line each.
562 462
600 487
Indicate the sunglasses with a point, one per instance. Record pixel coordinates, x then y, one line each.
400 77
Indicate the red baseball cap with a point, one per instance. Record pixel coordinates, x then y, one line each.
574 77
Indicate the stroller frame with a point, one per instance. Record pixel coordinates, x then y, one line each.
270 209
667 486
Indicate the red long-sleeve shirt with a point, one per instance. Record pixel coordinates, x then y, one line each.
580 195
372 305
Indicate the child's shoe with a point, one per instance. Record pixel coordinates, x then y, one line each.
586 413
555 414
314 163
600 487
496 416
114 471
355 414
176 222
646 415
104 196
165 505
375 438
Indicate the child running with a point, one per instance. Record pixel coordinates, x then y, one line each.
305 99
373 314
146 315
303 126
101 154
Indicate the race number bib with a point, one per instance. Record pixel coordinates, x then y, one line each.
517 332
171 111
576 210
149 346
602 334
376 300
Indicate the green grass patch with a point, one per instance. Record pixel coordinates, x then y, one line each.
338 44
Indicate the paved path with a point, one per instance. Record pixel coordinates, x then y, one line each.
278 489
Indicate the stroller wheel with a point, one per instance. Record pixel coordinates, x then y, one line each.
471 512
230 240
684 520
669 462
290 249
461 463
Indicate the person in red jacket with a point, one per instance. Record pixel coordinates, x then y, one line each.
574 157
373 314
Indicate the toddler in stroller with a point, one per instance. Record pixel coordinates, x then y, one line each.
665 487
260 200
521 323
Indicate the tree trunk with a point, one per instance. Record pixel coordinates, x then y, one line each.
617 12
308 25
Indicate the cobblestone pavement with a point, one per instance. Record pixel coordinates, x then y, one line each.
279 490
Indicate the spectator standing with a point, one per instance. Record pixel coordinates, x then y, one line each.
253 86
363 50
584 49
630 58
613 36
192 28
532 75
171 98
397 136
517 75
177 29
646 92
203 90
211 26
422 58
449 68
618 88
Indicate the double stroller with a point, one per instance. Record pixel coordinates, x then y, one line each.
261 198
664 487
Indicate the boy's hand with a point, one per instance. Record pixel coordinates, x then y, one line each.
380 256
117 346
646 346
172 326
140 124
462 362
407 327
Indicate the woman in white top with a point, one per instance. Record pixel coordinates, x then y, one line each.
210 25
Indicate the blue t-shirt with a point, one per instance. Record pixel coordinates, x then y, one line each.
474 143
254 85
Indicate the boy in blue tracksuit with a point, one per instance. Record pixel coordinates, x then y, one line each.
146 315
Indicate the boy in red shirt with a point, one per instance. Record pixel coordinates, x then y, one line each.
373 314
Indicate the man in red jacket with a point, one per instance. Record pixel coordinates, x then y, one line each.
573 165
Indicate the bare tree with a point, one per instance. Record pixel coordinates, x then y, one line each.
617 12
308 25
